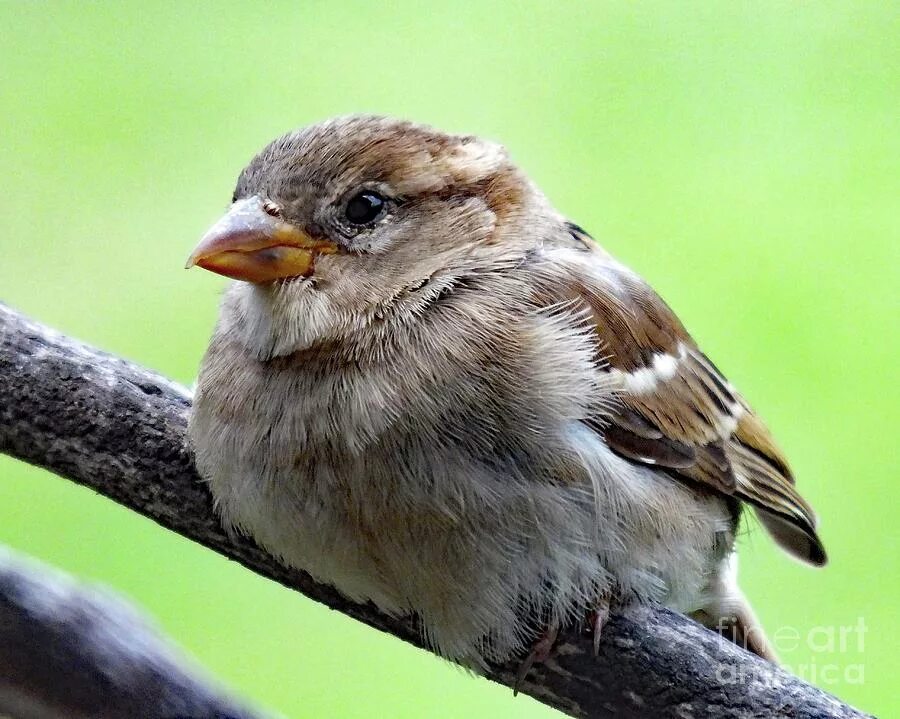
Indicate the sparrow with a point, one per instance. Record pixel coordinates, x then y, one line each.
429 389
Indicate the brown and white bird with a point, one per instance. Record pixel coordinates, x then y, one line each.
429 389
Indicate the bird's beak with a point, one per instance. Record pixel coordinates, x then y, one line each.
251 244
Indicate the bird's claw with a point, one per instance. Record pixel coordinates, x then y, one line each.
539 653
597 620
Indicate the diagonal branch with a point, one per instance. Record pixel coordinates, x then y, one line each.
120 429
73 650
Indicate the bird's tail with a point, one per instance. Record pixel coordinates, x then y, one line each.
729 613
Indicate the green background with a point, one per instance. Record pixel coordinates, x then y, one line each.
741 156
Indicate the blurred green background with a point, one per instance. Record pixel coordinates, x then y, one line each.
742 156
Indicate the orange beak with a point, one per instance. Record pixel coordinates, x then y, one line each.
250 244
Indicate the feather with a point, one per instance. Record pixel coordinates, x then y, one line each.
675 410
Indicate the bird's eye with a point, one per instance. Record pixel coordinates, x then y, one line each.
365 207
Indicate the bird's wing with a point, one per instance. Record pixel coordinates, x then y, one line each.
676 411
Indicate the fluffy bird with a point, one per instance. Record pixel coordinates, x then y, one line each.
429 389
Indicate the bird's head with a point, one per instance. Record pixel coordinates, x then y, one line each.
333 224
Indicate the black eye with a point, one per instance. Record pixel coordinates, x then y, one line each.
365 207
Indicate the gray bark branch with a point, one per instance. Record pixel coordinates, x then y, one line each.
72 650
118 428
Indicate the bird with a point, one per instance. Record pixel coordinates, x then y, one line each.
430 389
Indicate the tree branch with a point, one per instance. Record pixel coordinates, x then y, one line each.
120 429
73 650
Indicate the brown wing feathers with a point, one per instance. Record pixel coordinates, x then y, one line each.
678 413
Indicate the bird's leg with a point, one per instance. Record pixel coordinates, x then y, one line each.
596 620
540 652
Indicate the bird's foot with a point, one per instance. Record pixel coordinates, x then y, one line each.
596 620
540 652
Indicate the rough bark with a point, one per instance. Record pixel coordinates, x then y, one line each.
120 429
